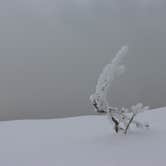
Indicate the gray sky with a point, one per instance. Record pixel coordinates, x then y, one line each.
51 53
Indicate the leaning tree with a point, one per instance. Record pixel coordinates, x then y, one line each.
121 118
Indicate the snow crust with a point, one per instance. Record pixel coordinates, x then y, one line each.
82 141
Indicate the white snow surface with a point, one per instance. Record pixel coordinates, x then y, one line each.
82 141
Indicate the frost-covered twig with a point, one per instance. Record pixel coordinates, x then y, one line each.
130 121
121 118
98 99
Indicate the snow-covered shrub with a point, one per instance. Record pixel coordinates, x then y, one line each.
121 118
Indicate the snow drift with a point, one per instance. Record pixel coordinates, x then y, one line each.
83 141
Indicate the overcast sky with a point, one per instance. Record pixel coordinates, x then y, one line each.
52 51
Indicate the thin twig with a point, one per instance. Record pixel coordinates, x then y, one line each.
116 124
128 125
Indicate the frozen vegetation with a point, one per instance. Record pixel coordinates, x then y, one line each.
122 118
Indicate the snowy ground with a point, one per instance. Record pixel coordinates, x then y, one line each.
82 141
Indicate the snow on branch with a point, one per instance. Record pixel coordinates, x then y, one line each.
121 118
110 71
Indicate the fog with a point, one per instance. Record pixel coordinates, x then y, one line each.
51 53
